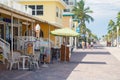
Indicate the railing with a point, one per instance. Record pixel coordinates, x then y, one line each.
17 6
6 48
70 3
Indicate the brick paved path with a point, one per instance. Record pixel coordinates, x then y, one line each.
95 64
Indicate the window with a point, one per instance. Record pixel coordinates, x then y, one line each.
66 1
33 9
39 10
71 3
36 9
26 7
66 10
60 13
57 12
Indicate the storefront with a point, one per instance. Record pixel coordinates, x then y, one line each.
14 24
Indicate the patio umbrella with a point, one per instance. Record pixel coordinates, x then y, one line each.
65 32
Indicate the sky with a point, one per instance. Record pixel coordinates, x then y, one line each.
103 11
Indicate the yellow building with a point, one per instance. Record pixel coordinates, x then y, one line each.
68 23
67 20
17 20
49 10
14 20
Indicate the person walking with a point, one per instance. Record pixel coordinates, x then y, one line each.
88 45
91 44
83 45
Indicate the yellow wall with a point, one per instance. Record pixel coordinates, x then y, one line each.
51 36
66 21
45 29
49 8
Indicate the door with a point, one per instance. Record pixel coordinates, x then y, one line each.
2 31
15 34
8 30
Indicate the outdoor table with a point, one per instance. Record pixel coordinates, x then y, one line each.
23 59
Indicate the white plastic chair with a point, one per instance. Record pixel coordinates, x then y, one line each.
13 59
36 60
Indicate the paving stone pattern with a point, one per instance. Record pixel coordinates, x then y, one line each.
87 64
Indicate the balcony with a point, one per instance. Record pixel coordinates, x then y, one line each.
17 6
70 3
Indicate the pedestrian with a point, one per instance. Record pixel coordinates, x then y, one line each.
88 46
83 45
91 44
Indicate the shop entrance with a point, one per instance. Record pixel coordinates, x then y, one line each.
2 31
15 34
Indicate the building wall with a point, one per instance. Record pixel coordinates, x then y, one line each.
45 28
70 4
66 21
49 8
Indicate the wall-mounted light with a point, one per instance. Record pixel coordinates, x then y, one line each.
37 27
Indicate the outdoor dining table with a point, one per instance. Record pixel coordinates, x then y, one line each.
23 59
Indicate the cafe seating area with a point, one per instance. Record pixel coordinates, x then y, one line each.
32 53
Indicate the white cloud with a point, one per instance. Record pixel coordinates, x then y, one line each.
104 10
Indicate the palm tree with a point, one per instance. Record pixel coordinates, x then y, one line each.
118 26
118 22
111 24
105 38
111 30
118 19
82 14
89 32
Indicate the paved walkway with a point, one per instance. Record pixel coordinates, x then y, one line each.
88 64
115 51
